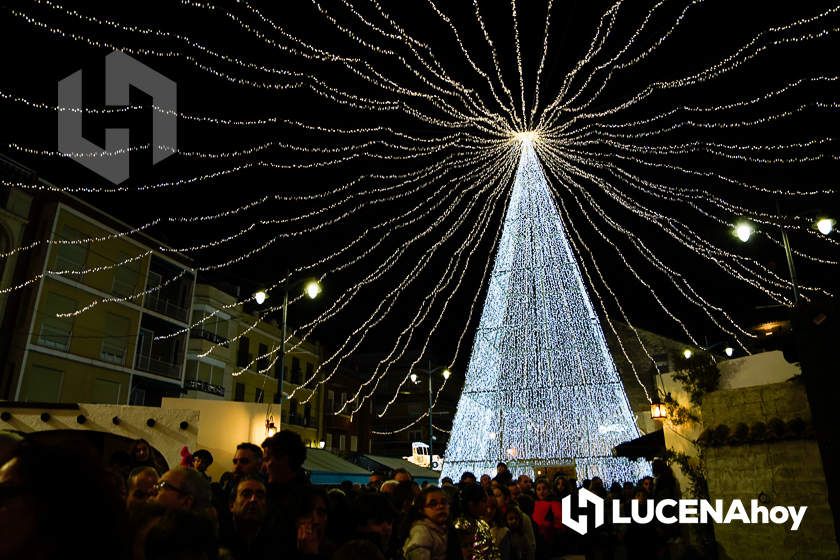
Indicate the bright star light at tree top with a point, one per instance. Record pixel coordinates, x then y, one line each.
376 143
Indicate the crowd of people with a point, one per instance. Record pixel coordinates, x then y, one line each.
61 501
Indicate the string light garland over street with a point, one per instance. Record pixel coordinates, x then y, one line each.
409 123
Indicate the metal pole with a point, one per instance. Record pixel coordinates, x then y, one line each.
789 255
283 340
431 427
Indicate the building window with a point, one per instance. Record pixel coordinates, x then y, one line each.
329 441
144 345
191 370
330 401
307 414
310 371
262 359
5 245
115 343
56 331
71 256
243 356
296 371
210 326
342 440
105 391
415 435
126 276
239 392
137 397
293 411
204 377
258 395
354 443
43 384
662 362
217 375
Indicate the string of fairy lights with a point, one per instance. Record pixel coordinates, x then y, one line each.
435 109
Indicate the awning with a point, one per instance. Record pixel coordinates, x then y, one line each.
420 474
327 468
648 446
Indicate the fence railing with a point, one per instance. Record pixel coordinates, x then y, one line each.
158 366
197 332
165 307
204 387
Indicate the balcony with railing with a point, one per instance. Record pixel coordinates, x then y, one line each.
158 365
204 334
165 306
113 351
69 264
302 421
56 337
204 387
169 289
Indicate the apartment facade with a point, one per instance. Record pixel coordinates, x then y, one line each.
98 313
234 354
345 432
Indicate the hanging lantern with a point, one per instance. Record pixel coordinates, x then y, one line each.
658 410
270 427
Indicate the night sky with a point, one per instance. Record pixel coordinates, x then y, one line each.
35 60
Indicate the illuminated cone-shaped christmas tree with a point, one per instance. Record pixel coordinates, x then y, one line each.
541 387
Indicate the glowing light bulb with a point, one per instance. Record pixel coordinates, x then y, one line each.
526 136
825 225
744 231
446 374
687 353
312 289
260 297
729 351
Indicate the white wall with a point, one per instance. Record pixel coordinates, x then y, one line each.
166 436
759 369
765 368
224 425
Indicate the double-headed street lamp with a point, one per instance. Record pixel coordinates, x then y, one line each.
311 288
814 346
744 230
687 353
416 379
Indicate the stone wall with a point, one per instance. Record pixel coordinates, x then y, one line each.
660 347
783 472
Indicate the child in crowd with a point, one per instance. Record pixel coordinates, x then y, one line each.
427 537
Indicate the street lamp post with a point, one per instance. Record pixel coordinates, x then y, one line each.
431 426
789 256
815 337
283 335
744 230
311 287
429 373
